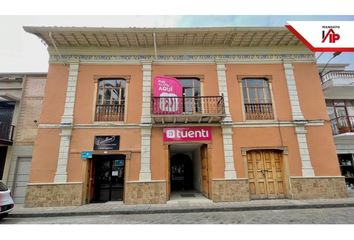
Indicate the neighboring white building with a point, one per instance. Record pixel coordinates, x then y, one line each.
338 89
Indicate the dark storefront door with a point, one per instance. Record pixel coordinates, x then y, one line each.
109 178
181 172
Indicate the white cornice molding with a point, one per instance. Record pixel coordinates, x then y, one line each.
211 59
90 126
246 124
252 124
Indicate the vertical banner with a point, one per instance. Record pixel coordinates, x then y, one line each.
168 95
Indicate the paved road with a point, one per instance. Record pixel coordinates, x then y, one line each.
298 216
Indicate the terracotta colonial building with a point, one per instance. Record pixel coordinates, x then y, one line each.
143 115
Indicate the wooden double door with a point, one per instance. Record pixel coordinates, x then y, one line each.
265 174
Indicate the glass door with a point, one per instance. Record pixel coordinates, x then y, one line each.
117 180
109 179
102 181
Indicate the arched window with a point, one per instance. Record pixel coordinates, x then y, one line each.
257 99
110 105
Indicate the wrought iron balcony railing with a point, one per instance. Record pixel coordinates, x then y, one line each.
188 109
109 112
342 124
259 111
6 133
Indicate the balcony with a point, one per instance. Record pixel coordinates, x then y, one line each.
338 84
259 111
343 124
6 134
109 113
208 109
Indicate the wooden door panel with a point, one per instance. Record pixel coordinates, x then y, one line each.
168 182
265 174
205 176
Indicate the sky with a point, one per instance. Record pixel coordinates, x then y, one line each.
24 52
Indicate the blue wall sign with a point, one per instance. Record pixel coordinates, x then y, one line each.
86 154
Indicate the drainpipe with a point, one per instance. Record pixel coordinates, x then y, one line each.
155 46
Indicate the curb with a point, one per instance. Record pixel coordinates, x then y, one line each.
180 210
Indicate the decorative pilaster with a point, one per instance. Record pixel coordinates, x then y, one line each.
61 174
146 104
145 170
66 125
221 72
294 99
306 166
298 118
229 172
68 116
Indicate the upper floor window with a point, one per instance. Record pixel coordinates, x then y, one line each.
257 99
191 94
341 113
110 105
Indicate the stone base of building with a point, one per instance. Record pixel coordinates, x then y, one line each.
145 193
53 195
318 187
230 190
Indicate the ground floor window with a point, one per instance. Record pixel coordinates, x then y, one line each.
346 164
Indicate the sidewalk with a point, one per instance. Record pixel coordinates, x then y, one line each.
182 206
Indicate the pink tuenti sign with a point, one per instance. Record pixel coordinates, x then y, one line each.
168 91
187 134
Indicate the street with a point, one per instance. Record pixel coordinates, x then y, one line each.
298 216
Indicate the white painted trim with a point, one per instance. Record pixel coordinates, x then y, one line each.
229 171
292 91
146 93
222 85
248 123
180 57
272 123
94 125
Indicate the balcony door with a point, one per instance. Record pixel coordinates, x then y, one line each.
110 104
191 95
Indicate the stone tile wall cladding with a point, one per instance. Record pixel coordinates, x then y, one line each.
318 187
230 190
54 195
145 193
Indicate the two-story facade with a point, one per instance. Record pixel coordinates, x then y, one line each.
138 115
338 88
